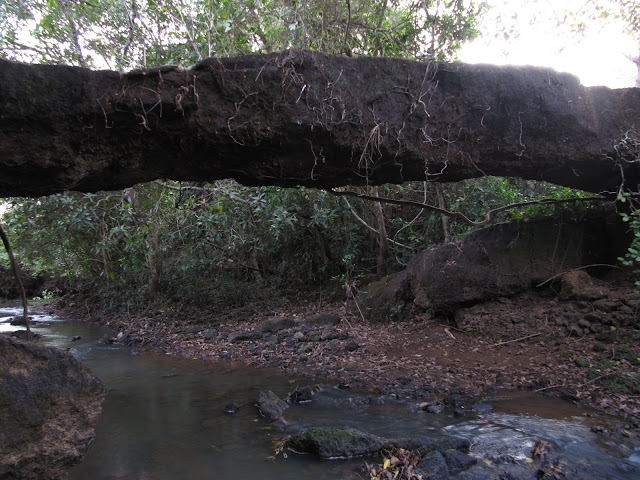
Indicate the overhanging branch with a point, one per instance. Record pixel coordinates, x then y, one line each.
459 215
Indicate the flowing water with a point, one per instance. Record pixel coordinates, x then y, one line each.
164 418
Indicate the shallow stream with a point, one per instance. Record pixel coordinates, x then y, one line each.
164 418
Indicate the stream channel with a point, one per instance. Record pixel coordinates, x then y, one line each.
164 418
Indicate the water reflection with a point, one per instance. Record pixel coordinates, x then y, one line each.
164 418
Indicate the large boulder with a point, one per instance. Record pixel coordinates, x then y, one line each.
497 261
49 405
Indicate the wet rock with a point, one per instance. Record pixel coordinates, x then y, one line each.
75 338
24 336
457 461
328 442
432 466
231 408
482 408
271 406
302 395
322 320
19 321
49 405
106 339
435 407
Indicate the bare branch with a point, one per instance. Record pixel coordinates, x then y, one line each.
459 215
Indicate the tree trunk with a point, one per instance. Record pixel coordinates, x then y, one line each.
151 242
16 274
383 242
637 62
446 232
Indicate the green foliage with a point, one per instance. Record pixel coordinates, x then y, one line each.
222 242
124 34
632 257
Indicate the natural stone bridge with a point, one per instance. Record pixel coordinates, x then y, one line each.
303 118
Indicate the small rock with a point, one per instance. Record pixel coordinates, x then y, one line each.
211 334
321 320
297 337
435 408
231 408
352 346
592 317
329 333
458 461
302 395
433 466
19 321
193 330
237 337
271 406
482 408
75 338
584 323
273 325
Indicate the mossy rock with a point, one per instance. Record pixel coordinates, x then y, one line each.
329 442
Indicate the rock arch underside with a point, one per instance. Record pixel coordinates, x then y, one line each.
304 118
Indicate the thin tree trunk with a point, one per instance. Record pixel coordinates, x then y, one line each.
75 34
446 231
383 241
16 273
637 62
151 242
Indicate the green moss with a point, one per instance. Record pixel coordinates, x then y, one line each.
599 347
608 336
582 362
624 352
629 385
566 354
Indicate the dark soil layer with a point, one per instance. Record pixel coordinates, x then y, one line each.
585 349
